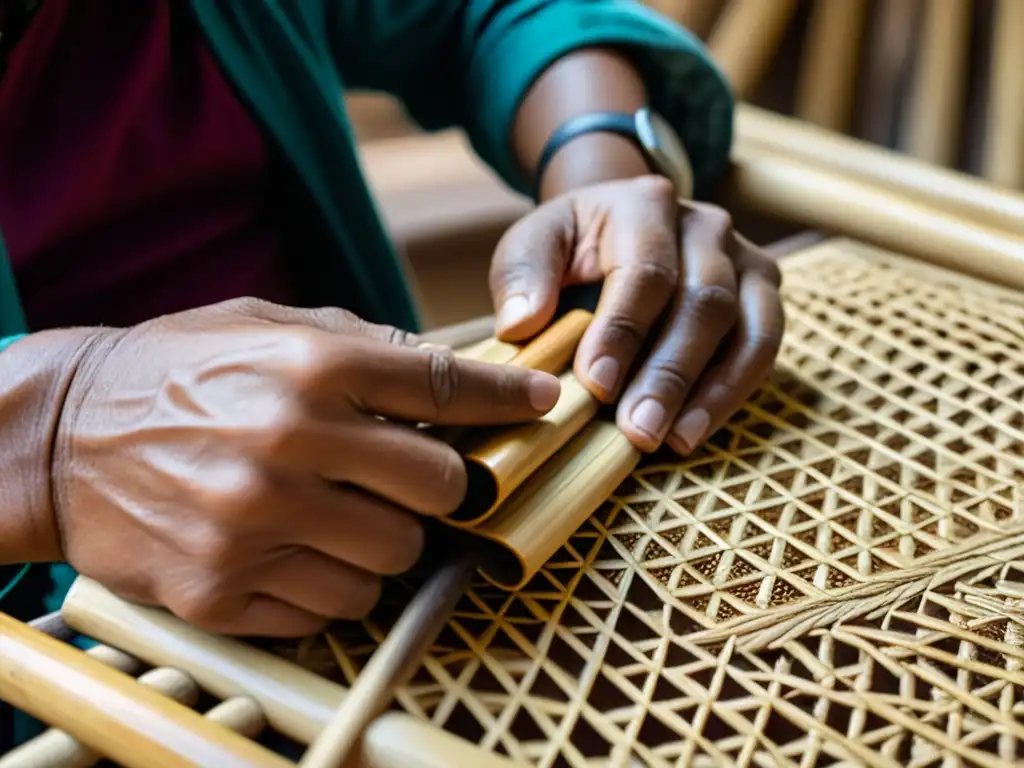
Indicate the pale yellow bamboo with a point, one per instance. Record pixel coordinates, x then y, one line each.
962 195
785 188
1004 141
827 81
298 703
109 711
745 39
935 119
489 351
547 509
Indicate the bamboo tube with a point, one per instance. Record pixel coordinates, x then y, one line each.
957 193
698 16
1004 140
489 351
549 507
461 335
391 664
933 125
746 37
827 81
787 189
506 459
552 350
296 702
59 749
109 711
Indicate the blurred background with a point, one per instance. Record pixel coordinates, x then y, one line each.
941 81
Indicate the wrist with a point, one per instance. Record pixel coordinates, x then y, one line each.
591 159
35 375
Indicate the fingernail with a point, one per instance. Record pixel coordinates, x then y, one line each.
692 428
544 391
649 416
515 309
605 373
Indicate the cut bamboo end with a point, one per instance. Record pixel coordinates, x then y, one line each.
505 460
295 701
109 711
489 351
549 508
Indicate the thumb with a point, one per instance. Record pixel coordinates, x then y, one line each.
528 269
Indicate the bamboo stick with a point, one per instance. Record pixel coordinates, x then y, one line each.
957 193
785 188
826 85
296 702
745 39
933 126
109 711
547 509
391 664
62 750
1004 140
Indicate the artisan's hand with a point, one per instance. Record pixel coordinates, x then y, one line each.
677 281
229 463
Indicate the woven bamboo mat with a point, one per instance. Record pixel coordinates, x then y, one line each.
837 579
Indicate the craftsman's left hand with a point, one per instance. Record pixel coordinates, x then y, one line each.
678 281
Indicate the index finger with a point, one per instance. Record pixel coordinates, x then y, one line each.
433 385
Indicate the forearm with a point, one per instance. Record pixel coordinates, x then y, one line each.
34 376
585 81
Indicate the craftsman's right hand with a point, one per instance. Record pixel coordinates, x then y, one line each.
229 463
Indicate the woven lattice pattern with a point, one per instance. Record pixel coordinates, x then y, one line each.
837 579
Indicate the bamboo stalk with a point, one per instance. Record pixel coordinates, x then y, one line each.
784 188
933 126
109 711
1004 141
828 74
391 664
296 702
745 39
962 195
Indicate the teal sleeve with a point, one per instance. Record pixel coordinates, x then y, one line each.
469 63
6 341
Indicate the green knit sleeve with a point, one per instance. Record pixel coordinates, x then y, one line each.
469 63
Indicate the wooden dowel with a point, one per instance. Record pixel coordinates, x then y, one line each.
61 750
826 85
932 128
745 39
1004 140
784 188
962 195
392 663
109 711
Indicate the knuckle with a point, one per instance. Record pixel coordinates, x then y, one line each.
210 545
443 373
661 275
301 350
712 301
713 217
202 603
337 319
656 187
623 332
669 378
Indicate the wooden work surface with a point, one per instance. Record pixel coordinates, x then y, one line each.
838 578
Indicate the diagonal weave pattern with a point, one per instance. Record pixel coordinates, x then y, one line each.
837 579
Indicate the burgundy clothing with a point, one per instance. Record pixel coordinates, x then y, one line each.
132 181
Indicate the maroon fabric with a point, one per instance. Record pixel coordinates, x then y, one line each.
132 181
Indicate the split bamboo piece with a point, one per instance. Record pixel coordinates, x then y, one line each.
109 711
56 749
296 702
1004 142
935 118
791 190
828 74
549 507
746 37
956 193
